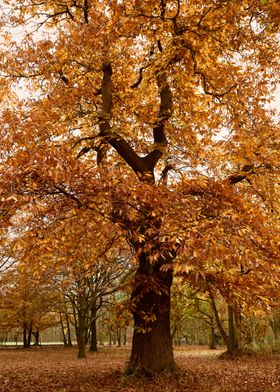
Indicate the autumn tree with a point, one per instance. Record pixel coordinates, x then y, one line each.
84 259
153 115
27 304
65 323
86 282
235 262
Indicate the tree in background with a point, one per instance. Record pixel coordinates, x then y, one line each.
274 322
90 263
86 289
27 304
141 91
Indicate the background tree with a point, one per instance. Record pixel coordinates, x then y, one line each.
27 304
274 322
193 319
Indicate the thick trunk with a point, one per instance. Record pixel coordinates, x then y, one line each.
25 338
213 340
152 344
29 335
234 346
81 328
93 331
237 329
81 343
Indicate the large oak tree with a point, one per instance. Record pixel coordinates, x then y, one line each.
150 114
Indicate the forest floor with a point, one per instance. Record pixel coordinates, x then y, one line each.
57 369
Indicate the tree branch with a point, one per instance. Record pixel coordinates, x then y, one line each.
115 140
240 176
142 166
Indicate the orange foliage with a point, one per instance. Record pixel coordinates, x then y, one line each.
151 116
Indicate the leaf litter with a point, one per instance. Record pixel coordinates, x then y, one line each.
201 370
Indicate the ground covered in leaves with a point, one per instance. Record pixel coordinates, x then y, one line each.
58 370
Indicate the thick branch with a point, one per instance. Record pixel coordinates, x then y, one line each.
106 91
143 167
86 10
116 141
240 176
165 111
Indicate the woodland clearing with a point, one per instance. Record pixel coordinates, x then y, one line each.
49 369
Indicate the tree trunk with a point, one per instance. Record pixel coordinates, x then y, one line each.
25 337
152 344
66 332
29 335
226 338
237 329
119 336
81 328
234 331
231 332
69 340
213 341
62 331
36 335
93 331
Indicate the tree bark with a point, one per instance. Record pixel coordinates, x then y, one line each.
213 340
93 331
81 328
36 335
226 338
27 335
231 333
62 330
237 329
152 344
25 338
234 331
69 340
118 336
66 331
